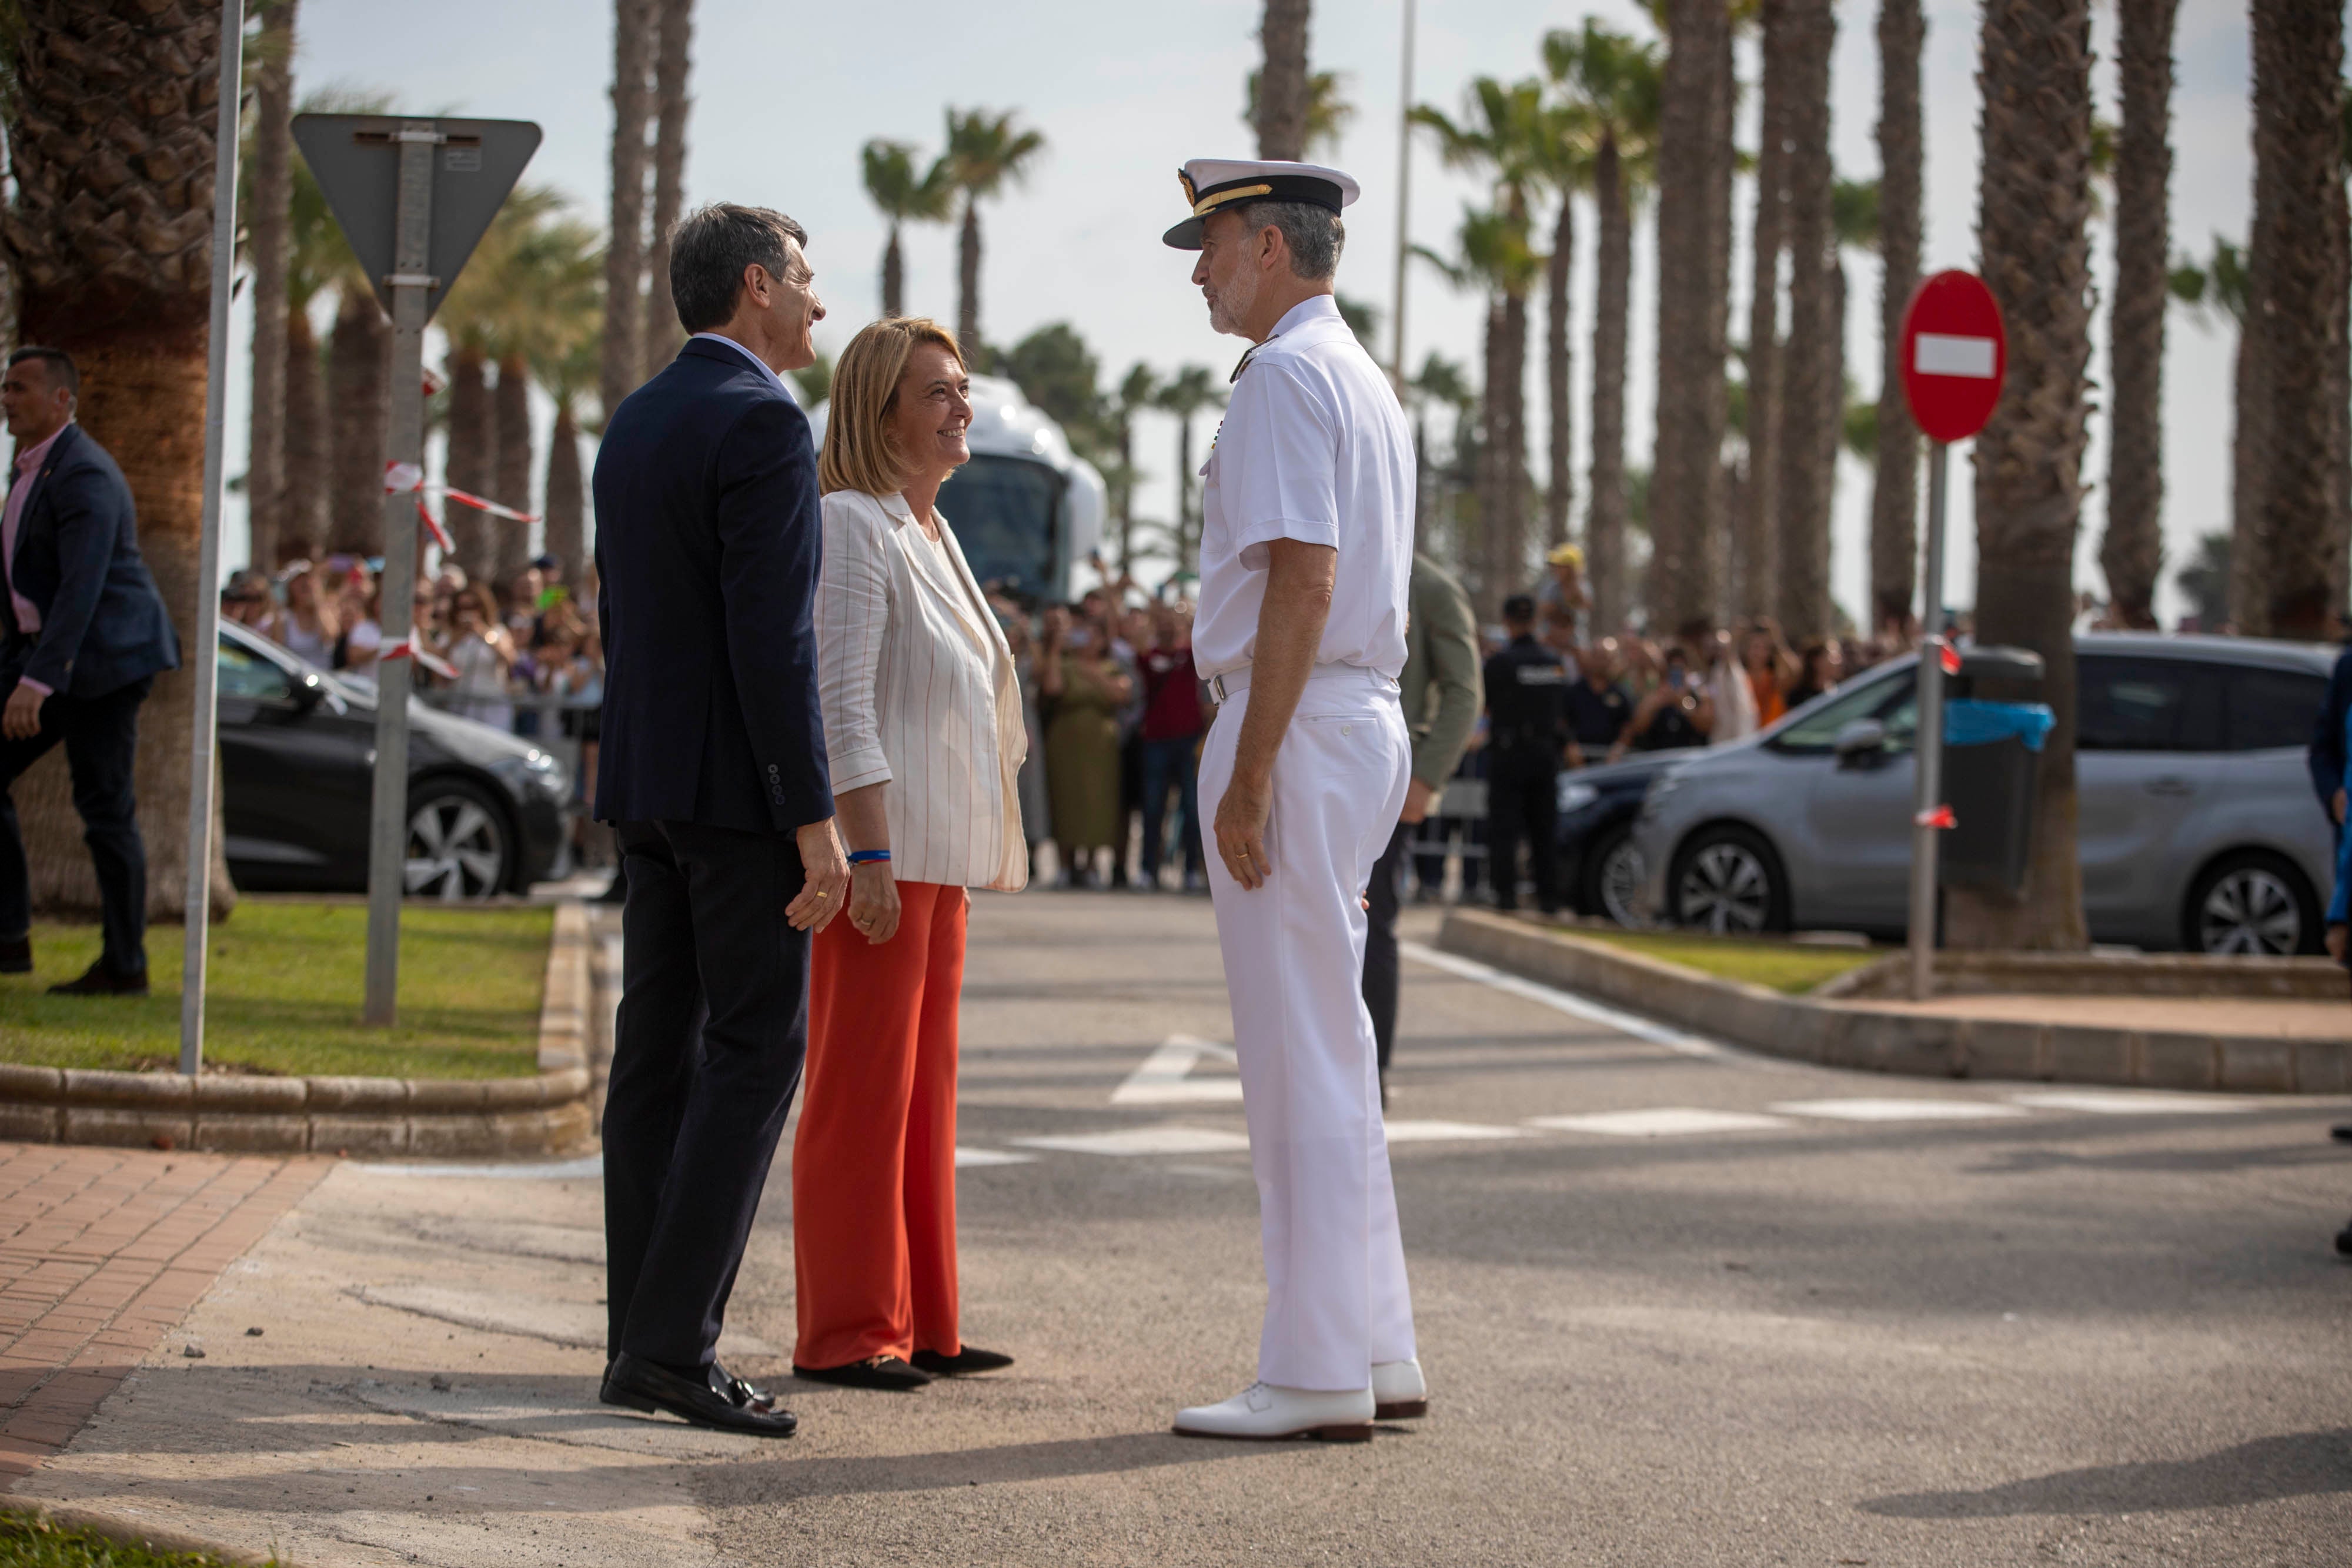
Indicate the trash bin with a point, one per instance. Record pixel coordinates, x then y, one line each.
1993 762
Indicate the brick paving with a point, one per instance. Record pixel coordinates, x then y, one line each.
101 1252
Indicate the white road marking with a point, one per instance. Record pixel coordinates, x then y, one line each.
1900 1110
1447 1132
1165 1078
1131 1141
1569 1002
1667 1122
2124 1102
990 1157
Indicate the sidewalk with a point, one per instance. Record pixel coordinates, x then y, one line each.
2261 1018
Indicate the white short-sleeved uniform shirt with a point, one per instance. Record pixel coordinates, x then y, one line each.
1314 447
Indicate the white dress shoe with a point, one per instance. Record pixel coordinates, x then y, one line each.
1262 1410
1399 1391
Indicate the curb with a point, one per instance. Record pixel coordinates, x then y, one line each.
549 1113
1856 1035
131 1533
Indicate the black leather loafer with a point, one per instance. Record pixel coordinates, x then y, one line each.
98 980
963 1364
883 1372
643 1385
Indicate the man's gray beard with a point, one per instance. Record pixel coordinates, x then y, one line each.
1233 305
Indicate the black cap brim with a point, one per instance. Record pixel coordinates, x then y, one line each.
1185 235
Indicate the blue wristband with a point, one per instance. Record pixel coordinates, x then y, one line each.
867 857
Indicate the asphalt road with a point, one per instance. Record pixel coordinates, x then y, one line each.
1730 1311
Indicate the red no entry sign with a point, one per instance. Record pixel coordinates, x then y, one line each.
1953 354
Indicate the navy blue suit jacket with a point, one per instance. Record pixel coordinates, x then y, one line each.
103 624
707 545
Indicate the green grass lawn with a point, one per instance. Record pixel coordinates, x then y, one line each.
285 983
30 1542
1789 968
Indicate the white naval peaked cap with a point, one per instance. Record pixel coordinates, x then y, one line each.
1211 182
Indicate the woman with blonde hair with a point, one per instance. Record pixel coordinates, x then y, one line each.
923 723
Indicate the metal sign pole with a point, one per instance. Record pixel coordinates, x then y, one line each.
388 823
1930 793
201 760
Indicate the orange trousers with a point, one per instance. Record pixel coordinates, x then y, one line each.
874 1229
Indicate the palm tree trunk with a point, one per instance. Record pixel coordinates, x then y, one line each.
968 283
512 404
1686 482
358 386
1756 555
1604 524
1714 557
2299 314
2338 400
1557 367
625 245
1281 85
894 277
1832 417
1126 491
470 461
1895 490
1806 432
273 141
1487 492
1514 486
2249 606
566 496
303 495
2132 552
1187 554
663 333
2033 213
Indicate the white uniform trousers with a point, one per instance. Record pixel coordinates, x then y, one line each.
1336 1299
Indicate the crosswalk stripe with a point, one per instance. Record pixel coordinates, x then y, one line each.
1666 1122
1870 1109
2123 1102
1568 1002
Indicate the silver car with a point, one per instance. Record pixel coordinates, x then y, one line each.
2198 828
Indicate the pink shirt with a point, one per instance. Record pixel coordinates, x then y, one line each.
28 614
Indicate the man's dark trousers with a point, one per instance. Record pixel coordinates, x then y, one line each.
1522 801
708 1048
100 735
1381 940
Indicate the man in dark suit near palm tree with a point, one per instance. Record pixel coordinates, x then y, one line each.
713 767
83 634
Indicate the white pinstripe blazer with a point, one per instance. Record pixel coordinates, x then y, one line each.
918 689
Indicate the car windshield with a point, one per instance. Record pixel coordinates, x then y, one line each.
1006 513
1887 699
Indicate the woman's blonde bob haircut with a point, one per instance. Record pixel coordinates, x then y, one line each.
857 454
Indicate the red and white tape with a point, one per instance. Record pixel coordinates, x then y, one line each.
408 649
408 479
1941 817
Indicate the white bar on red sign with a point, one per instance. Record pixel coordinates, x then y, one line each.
1940 354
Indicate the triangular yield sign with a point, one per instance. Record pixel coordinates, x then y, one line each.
1165 1078
356 160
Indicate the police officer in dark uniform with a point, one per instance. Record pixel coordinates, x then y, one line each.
1526 689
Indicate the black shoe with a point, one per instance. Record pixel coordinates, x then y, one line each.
648 1386
98 980
737 1391
2341 1132
16 957
885 1371
963 1363
2344 1242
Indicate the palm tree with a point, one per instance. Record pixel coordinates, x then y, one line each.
269 199
892 185
2033 224
569 373
1756 540
634 27
2298 319
1686 480
1185 394
984 150
1812 393
674 34
1440 382
1139 388
491 316
1894 488
359 396
1282 124
1327 109
111 130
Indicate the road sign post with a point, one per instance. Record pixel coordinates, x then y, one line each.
1954 350
413 197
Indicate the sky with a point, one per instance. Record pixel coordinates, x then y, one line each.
786 94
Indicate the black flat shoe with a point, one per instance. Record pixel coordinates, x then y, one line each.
963 1363
98 980
883 1372
644 1385
2344 1242
16 957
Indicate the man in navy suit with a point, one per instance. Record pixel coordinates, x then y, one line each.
713 767
83 634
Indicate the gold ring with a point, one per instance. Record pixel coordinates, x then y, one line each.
822 894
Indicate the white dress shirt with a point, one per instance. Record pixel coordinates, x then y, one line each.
918 689
757 363
1314 447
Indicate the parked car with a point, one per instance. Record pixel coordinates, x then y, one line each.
298 771
1601 871
2195 824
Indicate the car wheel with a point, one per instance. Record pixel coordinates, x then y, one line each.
459 845
2252 903
1728 881
1613 881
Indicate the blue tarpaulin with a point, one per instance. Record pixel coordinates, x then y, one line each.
1968 722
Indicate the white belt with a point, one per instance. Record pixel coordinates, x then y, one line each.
1232 683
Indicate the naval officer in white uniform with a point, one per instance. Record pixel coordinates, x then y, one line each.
1306 551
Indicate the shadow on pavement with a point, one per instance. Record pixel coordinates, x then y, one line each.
2301 1464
